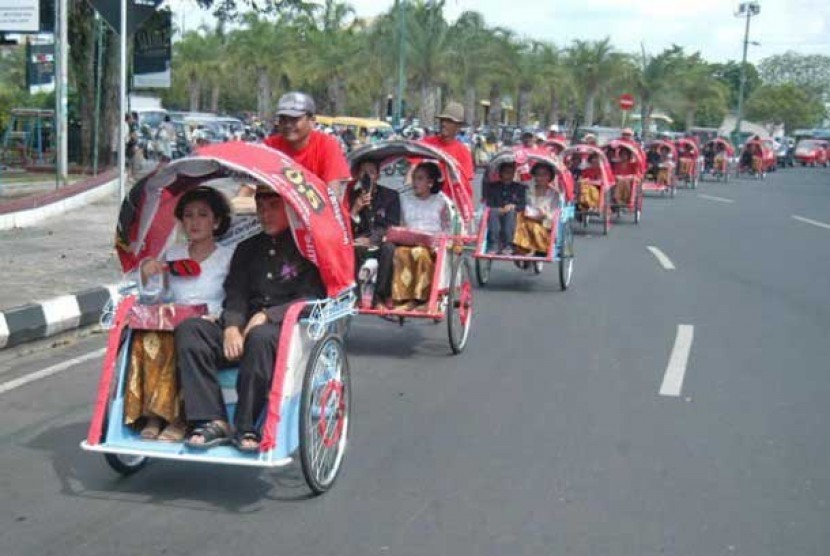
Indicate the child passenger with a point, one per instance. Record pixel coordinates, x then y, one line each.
506 199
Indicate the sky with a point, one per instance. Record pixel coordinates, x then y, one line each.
707 26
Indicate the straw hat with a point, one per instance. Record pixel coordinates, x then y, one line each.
453 112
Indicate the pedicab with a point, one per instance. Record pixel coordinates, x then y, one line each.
628 176
812 152
560 248
556 146
756 159
718 154
688 167
451 289
308 410
594 184
661 156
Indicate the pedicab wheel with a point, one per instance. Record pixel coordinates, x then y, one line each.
483 267
566 258
126 465
460 305
324 414
606 220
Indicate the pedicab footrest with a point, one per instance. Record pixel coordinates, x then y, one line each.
223 455
328 311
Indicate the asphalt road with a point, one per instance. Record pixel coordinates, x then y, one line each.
548 436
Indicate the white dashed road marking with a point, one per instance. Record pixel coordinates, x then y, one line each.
676 370
812 222
661 257
714 198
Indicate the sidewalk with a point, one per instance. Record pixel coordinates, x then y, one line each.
52 274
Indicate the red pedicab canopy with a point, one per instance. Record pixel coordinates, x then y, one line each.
583 152
638 156
730 150
386 153
660 143
530 158
685 142
556 145
147 225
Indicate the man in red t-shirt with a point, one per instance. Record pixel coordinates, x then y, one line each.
450 121
317 152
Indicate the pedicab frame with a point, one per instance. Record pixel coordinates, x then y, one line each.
309 401
451 294
767 160
634 206
729 155
561 249
655 186
691 179
606 184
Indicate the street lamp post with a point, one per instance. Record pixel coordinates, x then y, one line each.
401 63
745 9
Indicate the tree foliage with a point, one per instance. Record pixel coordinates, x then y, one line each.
787 104
810 72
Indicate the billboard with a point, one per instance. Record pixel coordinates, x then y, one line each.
152 52
22 16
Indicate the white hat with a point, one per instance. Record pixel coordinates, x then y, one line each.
554 127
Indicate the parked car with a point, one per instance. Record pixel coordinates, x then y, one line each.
811 152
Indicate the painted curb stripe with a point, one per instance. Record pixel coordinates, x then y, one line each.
4 331
62 313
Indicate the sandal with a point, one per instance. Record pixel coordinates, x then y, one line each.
249 436
151 428
213 433
174 432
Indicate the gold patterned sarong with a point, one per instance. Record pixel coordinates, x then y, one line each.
531 235
663 176
720 164
152 383
412 277
686 167
588 195
756 163
622 192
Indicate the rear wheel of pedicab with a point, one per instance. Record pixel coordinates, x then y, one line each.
325 407
460 304
566 257
606 218
483 267
126 465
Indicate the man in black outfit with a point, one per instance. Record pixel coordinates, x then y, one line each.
267 274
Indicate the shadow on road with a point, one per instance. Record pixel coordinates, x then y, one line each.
187 485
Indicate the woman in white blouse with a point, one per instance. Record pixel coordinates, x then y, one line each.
425 209
152 400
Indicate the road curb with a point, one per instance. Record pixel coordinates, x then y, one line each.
36 321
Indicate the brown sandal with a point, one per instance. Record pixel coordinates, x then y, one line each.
151 429
174 432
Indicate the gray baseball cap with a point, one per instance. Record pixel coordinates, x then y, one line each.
295 104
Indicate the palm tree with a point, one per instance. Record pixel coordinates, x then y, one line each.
594 65
556 82
696 87
192 58
470 58
501 70
428 42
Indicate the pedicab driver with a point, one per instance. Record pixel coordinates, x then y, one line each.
318 152
451 120
267 274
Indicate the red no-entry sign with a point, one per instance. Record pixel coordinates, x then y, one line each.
626 102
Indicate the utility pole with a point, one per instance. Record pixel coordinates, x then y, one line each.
401 64
745 9
122 177
61 79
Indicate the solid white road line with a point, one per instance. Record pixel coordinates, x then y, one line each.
813 222
714 198
49 371
661 257
673 379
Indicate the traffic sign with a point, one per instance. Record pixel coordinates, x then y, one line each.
626 101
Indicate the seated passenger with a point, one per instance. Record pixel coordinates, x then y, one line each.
590 183
687 159
505 198
407 269
267 274
373 208
535 222
625 171
152 398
